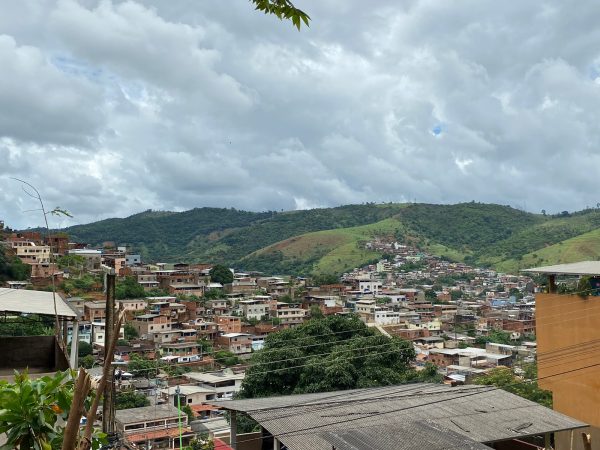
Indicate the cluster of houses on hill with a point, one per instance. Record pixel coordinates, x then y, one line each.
442 307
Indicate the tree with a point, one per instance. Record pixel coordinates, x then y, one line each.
284 9
333 353
202 442
142 367
130 332
131 399
455 295
84 349
226 358
504 378
316 313
213 294
495 336
431 295
188 412
34 411
128 287
12 268
73 263
87 361
221 274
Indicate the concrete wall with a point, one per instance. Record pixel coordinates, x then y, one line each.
39 353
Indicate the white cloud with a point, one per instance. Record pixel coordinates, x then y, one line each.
112 107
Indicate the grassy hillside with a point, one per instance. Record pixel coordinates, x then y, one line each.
331 240
330 251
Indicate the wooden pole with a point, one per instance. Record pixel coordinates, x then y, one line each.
91 417
82 388
109 335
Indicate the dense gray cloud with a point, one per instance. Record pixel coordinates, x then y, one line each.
113 107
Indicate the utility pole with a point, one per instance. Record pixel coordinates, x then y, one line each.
108 403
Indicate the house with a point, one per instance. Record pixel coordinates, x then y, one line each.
157 426
566 330
98 333
189 395
34 254
369 286
225 383
229 324
94 311
289 314
146 324
236 343
254 308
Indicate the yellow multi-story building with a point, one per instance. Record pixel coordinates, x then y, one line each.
568 345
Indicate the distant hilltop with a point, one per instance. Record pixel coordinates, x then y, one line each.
333 240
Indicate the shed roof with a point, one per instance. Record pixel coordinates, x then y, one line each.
414 436
34 302
578 268
482 413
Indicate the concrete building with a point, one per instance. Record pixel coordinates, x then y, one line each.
566 330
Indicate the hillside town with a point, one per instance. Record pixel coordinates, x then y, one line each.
190 330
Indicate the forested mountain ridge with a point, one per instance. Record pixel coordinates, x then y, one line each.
332 239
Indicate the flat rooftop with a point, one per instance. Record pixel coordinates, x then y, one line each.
134 415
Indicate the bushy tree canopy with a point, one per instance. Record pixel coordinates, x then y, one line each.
128 287
332 353
221 274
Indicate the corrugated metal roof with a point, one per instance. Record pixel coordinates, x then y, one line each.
482 413
34 302
414 436
578 268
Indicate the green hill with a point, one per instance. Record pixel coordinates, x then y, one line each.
331 240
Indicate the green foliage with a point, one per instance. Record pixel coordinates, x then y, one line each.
283 9
142 367
315 312
72 263
130 332
128 287
32 325
12 268
495 336
455 295
226 358
202 442
34 411
220 274
504 378
213 294
480 234
430 295
157 292
188 412
87 361
324 279
130 399
80 285
328 354
84 349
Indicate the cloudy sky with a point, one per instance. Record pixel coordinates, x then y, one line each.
114 107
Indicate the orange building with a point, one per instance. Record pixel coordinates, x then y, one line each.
568 336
